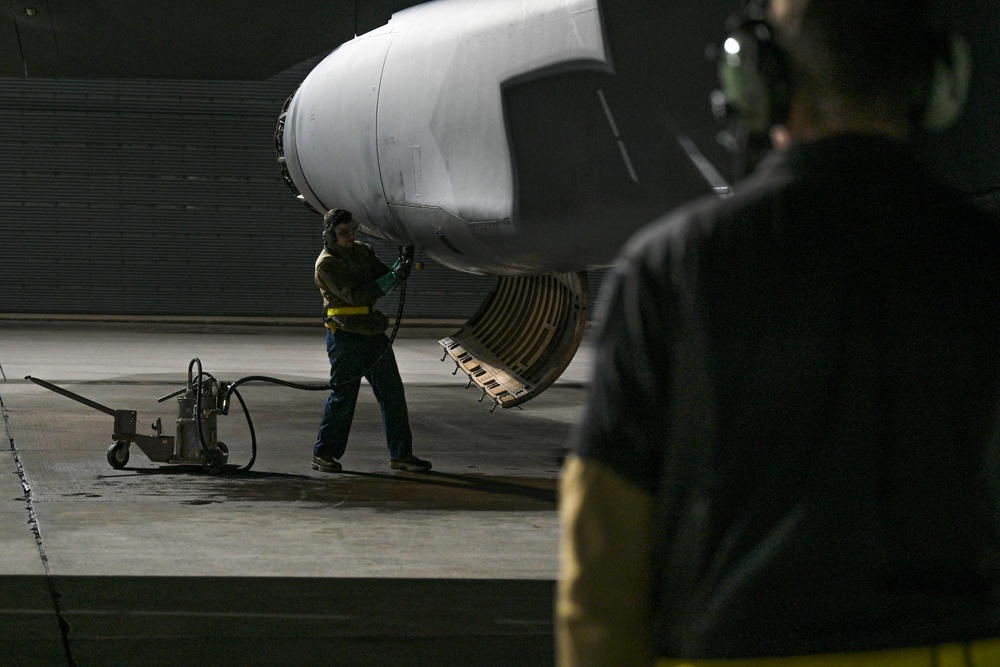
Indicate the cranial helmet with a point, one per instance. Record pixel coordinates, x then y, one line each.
332 218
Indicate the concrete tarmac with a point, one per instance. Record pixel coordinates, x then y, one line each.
160 564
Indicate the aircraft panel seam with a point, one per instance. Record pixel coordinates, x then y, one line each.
614 131
20 45
378 153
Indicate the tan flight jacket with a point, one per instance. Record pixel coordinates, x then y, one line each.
346 277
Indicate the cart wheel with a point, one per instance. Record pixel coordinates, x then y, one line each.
118 454
225 450
213 460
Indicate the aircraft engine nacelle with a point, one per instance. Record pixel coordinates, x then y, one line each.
494 135
526 139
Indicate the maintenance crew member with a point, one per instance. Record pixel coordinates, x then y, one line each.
790 454
351 278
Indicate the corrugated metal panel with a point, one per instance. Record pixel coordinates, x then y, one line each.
163 198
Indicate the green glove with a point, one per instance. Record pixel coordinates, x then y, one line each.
388 282
402 267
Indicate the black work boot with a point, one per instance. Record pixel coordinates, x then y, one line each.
326 465
411 463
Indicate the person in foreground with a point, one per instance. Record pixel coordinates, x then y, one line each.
351 278
790 453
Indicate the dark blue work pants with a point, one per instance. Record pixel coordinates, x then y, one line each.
351 354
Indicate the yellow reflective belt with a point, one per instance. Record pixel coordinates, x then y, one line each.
348 310
984 653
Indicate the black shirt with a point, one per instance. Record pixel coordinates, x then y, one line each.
806 378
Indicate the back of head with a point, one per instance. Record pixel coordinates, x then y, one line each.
873 56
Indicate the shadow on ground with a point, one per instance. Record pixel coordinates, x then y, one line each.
425 491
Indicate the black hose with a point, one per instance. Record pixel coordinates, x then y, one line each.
197 402
253 435
195 383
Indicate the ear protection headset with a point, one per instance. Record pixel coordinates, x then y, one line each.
754 77
753 74
331 219
951 74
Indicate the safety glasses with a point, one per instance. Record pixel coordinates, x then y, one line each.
347 230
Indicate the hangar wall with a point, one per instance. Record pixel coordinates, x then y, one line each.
163 198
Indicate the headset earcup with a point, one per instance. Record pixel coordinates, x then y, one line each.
329 236
753 77
951 76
